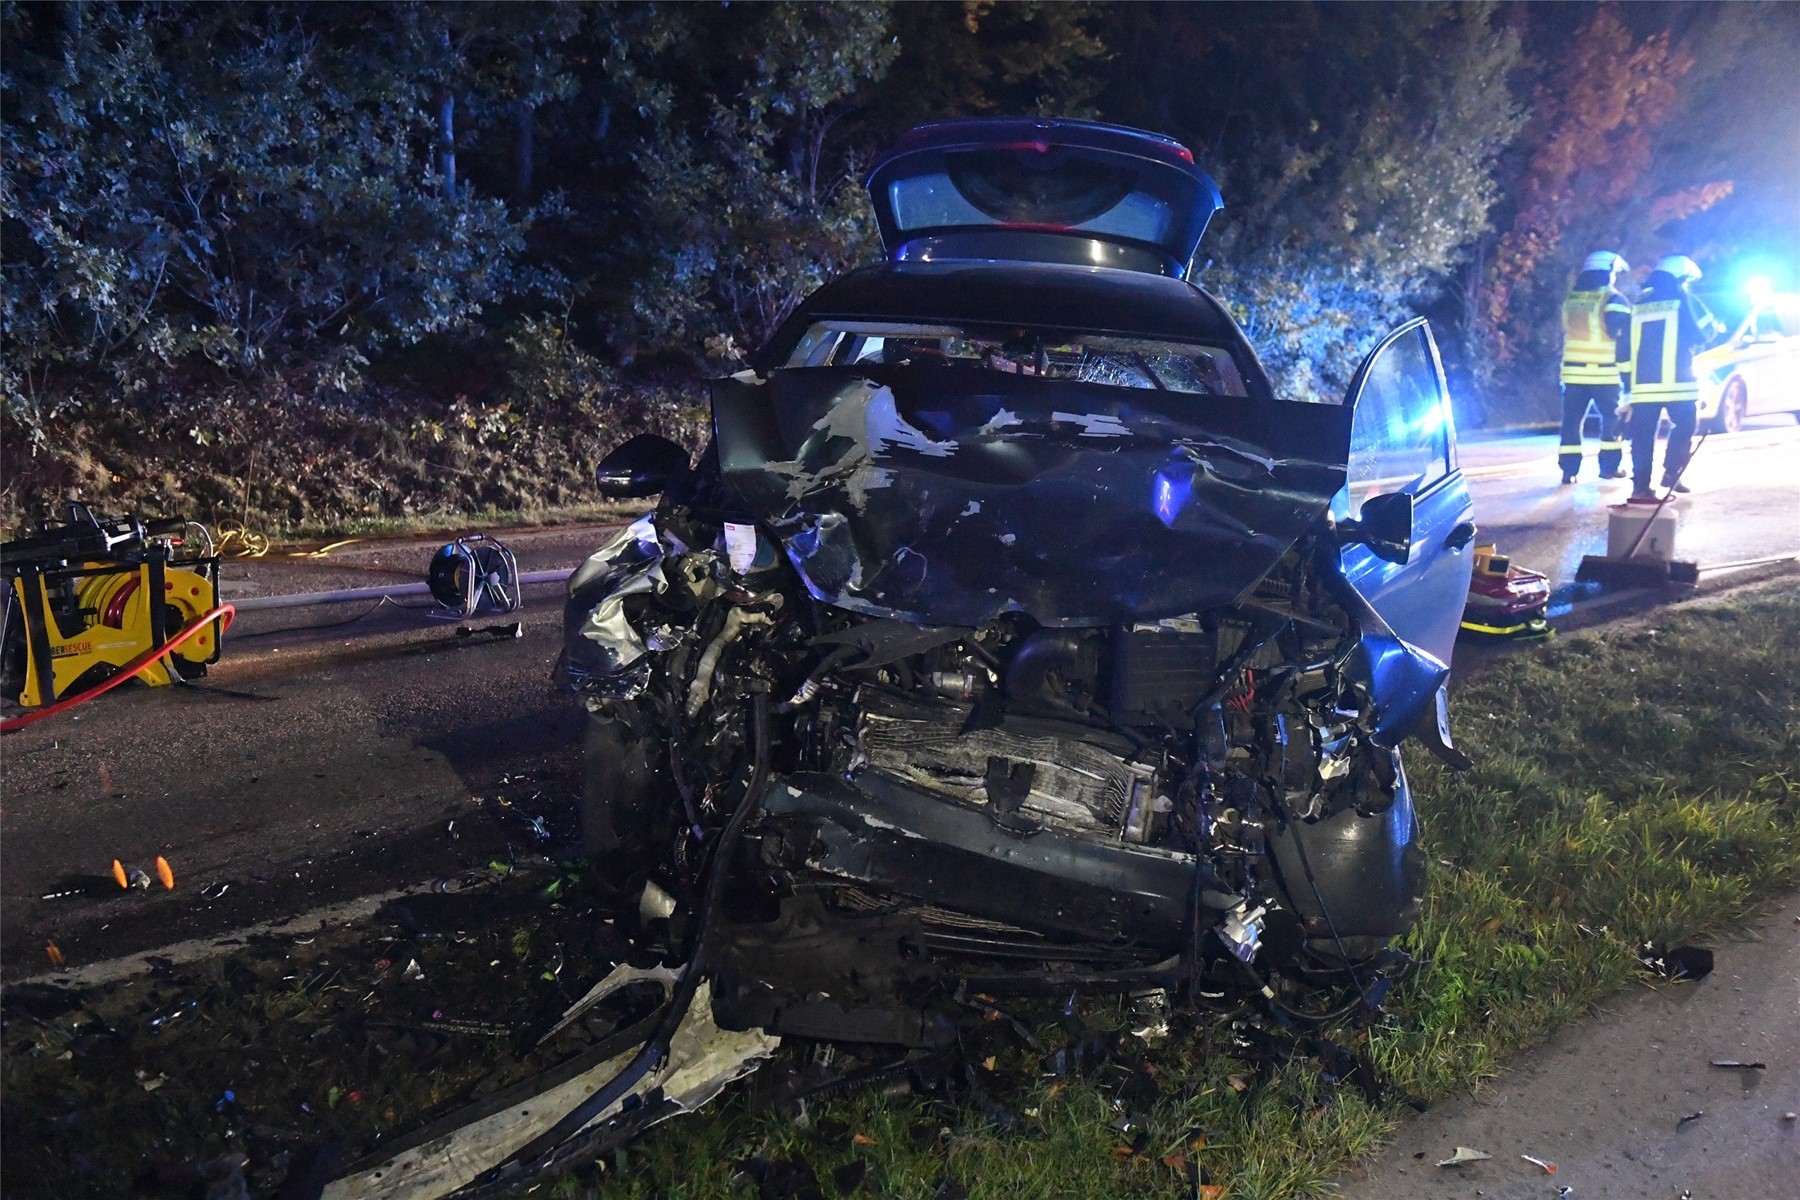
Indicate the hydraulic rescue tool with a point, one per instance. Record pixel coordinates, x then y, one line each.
86 596
1506 599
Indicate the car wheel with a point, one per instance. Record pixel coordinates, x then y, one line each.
1731 408
621 779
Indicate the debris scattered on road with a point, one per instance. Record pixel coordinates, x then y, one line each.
1464 1154
1682 962
508 630
165 873
414 972
1788 1116
54 954
1732 1064
1549 1167
1685 1121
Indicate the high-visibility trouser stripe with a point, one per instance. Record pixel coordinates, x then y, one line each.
1664 393
1612 446
1568 449
1590 352
1602 373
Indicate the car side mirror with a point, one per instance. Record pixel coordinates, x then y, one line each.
641 466
1385 526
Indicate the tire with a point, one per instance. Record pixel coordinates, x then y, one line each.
1732 407
622 776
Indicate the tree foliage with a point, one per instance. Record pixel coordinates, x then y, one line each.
1357 162
236 184
759 205
1653 131
201 194
1586 151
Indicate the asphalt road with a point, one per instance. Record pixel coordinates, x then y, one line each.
324 760
1744 503
1604 1100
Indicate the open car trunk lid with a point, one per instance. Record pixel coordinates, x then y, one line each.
920 494
1042 190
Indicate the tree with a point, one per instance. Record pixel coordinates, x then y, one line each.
759 205
1585 153
1356 147
245 185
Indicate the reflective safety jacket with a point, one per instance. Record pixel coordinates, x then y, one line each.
1668 327
1596 328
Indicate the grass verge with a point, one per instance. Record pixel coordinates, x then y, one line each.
1631 785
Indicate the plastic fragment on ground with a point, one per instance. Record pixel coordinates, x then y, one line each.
165 873
1464 1154
1683 1122
1549 1167
54 954
1682 962
701 1061
1732 1064
619 977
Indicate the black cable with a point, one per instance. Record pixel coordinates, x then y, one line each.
656 1049
1325 911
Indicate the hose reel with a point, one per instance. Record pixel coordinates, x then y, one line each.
475 574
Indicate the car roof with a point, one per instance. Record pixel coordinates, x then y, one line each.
1043 295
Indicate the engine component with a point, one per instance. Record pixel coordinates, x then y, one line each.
1073 783
1159 669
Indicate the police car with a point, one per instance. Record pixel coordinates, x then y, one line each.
1756 371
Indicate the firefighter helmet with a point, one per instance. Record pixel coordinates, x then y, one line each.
1683 268
1606 260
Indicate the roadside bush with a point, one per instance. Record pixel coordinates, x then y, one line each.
232 185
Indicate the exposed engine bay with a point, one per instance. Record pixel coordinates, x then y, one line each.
1205 803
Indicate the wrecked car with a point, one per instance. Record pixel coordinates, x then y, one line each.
1013 634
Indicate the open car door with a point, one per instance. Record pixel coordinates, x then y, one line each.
1403 442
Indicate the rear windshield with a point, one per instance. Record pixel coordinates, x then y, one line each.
1108 360
1036 186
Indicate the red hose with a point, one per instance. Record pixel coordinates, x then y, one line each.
136 666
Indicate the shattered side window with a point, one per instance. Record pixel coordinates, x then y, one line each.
1111 361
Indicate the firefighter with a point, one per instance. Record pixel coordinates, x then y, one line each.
1596 362
1668 326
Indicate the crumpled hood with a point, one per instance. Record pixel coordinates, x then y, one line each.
947 497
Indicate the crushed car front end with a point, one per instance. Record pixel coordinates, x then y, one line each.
1066 687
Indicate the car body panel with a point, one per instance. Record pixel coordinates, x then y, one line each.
1403 438
1762 355
949 497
